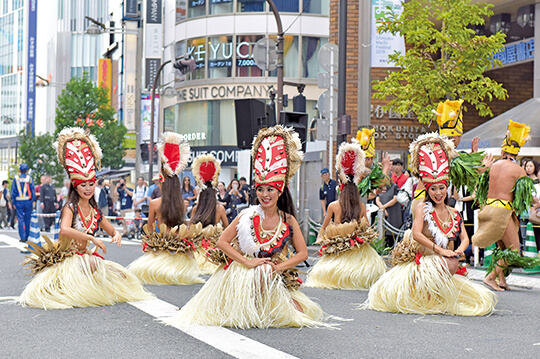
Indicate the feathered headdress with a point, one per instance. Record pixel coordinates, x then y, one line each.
516 136
350 162
206 169
79 153
366 139
430 158
276 156
450 118
174 153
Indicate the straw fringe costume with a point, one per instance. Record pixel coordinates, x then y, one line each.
348 261
168 254
241 297
494 217
420 281
66 277
206 169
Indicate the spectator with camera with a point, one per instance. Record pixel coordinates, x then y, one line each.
125 196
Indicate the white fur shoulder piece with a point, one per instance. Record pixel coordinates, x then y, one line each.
440 239
243 230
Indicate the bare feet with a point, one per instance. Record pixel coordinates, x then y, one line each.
491 283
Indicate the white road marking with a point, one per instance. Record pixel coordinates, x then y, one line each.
220 338
12 242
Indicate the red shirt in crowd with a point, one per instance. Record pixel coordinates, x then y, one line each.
400 181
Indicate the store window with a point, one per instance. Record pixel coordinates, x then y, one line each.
316 7
250 5
205 123
197 49
290 56
221 6
310 51
181 10
245 65
287 5
196 8
220 56
169 120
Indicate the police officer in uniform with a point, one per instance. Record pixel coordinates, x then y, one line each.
23 195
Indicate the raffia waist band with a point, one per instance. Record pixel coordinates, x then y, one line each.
496 202
419 193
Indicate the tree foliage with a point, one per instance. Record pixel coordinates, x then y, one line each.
40 155
86 105
444 58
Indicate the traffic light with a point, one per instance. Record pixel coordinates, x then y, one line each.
144 152
299 103
298 121
185 66
285 100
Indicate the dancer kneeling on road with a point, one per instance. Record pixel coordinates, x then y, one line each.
208 212
424 279
348 259
68 273
256 284
168 250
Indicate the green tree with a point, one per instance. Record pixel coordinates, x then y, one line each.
444 58
86 105
40 155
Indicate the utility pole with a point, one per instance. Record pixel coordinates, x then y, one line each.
279 58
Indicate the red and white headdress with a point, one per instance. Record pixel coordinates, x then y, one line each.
174 153
276 156
350 162
206 169
430 158
79 153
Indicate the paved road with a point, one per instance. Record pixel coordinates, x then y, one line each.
132 331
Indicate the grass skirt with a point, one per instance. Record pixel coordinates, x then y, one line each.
82 281
492 223
205 266
242 297
162 268
429 288
357 269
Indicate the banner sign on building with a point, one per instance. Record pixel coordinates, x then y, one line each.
31 66
516 52
146 106
153 41
227 155
105 75
150 71
130 8
153 12
383 45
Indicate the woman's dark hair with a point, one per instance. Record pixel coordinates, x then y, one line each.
173 211
190 188
205 212
428 197
73 199
535 164
285 202
349 200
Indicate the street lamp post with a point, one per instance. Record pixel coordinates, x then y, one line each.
279 58
185 66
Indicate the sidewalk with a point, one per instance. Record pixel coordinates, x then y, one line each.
514 280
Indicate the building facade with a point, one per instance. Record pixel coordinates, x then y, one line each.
518 74
13 16
220 35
